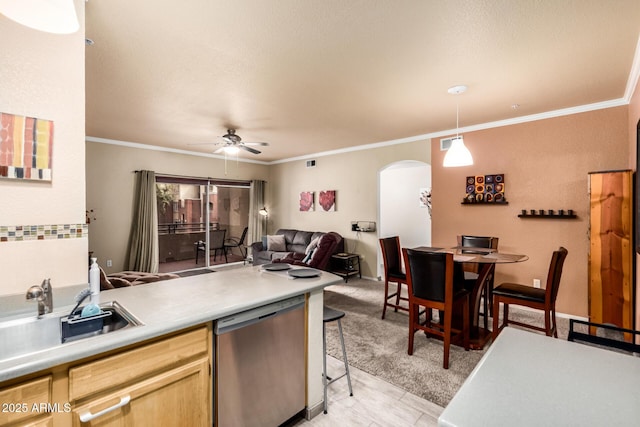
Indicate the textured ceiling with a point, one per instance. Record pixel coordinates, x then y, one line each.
313 76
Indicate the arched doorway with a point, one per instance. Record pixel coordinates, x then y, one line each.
400 212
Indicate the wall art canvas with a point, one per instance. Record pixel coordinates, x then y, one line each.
485 189
26 147
306 201
327 200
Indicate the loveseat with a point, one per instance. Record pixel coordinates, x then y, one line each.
296 243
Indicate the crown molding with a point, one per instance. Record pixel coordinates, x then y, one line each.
167 149
632 82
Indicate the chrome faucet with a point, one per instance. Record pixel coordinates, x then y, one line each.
44 295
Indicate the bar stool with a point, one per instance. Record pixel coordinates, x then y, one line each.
331 315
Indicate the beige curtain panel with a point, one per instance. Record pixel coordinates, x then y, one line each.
143 240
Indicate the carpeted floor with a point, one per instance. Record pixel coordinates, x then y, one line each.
379 347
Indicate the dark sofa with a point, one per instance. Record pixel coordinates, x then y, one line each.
296 242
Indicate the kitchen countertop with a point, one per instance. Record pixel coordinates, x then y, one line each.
171 305
528 379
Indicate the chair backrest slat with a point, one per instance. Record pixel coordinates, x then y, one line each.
391 254
555 273
478 241
428 274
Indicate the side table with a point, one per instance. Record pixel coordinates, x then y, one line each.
346 265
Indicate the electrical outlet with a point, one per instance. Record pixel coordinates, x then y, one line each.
536 283
109 263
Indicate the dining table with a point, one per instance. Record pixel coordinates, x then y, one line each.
487 259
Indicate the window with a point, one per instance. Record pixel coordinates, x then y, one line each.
187 207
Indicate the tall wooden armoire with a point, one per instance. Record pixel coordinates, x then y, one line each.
611 254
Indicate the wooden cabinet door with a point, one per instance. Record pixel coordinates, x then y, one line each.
611 255
178 397
22 403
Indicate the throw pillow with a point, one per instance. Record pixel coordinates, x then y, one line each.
276 243
312 245
307 258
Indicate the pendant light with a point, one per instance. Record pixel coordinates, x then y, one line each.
51 16
458 154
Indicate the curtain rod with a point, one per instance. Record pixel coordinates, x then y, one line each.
200 178
168 175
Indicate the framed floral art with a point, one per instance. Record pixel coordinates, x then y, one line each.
306 201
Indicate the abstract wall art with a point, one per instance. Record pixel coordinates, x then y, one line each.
306 201
485 189
26 147
327 200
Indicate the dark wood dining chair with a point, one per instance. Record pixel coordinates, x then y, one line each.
471 270
430 279
528 296
391 256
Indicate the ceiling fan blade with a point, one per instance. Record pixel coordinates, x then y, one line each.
264 144
219 150
249 149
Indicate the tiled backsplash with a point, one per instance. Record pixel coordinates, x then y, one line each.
18 233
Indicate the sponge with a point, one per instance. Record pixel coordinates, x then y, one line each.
90 310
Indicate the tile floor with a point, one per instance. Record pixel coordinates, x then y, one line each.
375 403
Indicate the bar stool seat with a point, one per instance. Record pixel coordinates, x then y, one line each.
332 315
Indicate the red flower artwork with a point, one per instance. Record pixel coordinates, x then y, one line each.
306 201
327 200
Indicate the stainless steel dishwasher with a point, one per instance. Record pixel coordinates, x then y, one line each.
259 375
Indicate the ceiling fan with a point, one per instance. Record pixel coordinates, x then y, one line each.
232 143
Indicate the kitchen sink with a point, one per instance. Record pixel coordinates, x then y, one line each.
30 335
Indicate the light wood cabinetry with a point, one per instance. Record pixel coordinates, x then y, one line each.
165 382
26 403
611 256
173 398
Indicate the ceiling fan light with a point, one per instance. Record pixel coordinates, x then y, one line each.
263 211
458 154
231 149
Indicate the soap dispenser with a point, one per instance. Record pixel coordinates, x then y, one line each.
94 281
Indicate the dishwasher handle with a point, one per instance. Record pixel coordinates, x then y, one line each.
267 315
231 323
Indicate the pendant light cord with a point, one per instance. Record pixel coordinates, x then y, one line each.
457 117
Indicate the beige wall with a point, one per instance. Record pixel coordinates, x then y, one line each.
111 182
545 164
354 176
43 76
